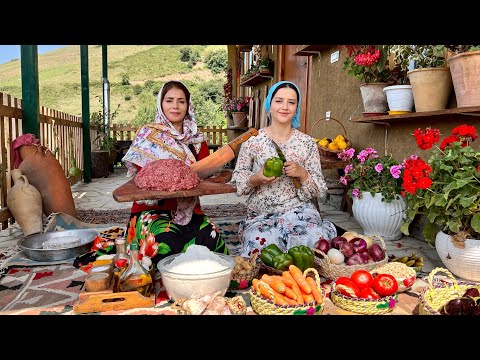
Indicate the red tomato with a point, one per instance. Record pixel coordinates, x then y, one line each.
342 280
362 278
385 285
369 293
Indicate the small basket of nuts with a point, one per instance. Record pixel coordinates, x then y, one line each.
244 272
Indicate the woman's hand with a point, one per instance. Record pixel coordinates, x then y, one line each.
293 169
260 179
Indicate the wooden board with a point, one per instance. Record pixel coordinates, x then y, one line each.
107 300
214 185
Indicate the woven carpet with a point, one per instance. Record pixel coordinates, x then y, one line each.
122 216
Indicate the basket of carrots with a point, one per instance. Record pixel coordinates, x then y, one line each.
292 293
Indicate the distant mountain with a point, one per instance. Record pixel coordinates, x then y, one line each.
136 73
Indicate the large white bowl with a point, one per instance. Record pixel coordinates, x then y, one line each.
183 286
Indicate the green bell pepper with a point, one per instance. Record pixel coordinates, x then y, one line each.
282 261
273 167
302 256
269 253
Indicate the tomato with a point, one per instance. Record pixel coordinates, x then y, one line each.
369 293
342 280
385 285
362 278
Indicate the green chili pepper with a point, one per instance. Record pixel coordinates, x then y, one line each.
302 256
273 167
269 253
282 261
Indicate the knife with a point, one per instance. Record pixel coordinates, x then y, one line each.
207 166
281 156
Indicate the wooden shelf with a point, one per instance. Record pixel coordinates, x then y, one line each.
309 50
426 115
255 79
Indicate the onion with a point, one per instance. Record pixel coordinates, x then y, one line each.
355 259
347 249
337 241
335 256
359 245
365 256
322 245
377 252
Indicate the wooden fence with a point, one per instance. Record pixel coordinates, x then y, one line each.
57 131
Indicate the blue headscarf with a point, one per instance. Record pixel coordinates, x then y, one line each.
296 118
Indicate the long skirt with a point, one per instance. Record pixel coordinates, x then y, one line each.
302 225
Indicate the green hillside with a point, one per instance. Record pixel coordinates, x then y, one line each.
135 72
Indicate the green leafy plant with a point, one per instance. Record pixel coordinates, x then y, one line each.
447 189
367 172
424 56
458 49
96 119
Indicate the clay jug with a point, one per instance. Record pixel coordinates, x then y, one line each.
25 203
45 173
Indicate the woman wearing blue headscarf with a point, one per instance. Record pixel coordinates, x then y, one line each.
277 212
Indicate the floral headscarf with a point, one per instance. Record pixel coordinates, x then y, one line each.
296 118
160 140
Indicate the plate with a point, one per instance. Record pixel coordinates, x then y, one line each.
398 112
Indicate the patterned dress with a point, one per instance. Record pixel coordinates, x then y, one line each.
279 213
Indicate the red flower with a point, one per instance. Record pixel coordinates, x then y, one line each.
426 140
448 141
465 131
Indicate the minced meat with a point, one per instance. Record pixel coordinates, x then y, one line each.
166 175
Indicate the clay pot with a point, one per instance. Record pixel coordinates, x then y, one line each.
45 173
25 203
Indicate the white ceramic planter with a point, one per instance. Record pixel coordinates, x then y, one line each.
464 263
399 97
377 217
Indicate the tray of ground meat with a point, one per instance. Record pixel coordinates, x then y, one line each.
170 178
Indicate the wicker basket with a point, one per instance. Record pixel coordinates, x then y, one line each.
362 306
264 306
332 154
242 281
438 293
270 270
334 271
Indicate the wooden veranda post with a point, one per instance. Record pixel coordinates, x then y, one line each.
30 98
87 156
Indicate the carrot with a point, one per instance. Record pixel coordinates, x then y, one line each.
308 298
300 279
288 279
291 301
289 293
274 283
315 292
262 289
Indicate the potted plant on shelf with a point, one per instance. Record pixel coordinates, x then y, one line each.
374 185
447 191
465 78
369 64
430 78
237 108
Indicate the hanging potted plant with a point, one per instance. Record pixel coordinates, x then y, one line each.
465 78
370 64
447 191
430 77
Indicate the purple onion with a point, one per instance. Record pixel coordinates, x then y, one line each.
359 245
337 241
347 249
355 259
377 252
322 245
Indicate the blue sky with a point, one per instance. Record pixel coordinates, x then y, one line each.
9 52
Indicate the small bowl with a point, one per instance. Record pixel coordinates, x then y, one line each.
183 286
405 283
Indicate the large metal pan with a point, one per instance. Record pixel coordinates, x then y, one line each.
32 245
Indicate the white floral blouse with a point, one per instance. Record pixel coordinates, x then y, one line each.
281 195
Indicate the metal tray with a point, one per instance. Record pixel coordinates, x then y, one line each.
32 245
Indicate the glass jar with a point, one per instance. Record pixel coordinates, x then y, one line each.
135 277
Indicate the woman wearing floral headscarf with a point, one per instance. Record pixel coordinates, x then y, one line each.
277 212
168 226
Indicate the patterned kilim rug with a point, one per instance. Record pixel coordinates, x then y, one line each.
122 216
